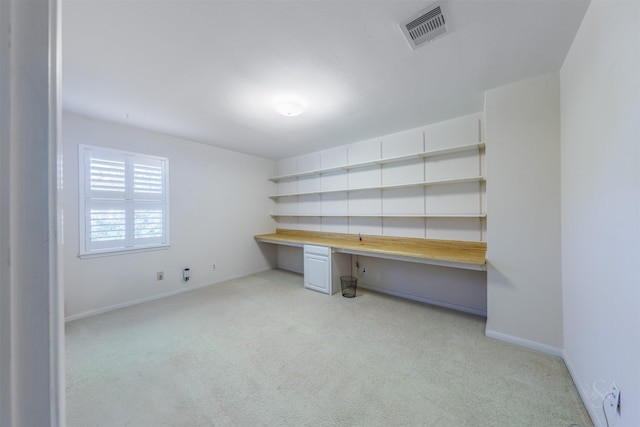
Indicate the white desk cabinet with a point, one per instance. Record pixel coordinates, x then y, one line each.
323 268
317 268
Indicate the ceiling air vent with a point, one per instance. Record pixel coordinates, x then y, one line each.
425 26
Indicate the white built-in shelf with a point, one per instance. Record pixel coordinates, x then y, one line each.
424 154
385 187
329 215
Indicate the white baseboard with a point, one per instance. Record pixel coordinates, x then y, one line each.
525 343
471 310
290 268
594 412
554 351
125 304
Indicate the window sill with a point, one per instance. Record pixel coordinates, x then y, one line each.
98 254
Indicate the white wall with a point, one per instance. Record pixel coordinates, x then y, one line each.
601 208
524 293
5 224
31 340
291 258
218 201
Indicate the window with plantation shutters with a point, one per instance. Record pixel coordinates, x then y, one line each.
123 201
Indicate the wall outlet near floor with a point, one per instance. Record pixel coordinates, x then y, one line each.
214 267
611 404
614 400
160 275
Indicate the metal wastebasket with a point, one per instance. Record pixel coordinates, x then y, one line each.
349 285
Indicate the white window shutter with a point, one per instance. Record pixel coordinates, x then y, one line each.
123 199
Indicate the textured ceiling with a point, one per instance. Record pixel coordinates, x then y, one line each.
210 71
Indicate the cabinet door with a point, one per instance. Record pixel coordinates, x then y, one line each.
317 273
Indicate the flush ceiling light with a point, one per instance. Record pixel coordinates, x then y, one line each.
289 108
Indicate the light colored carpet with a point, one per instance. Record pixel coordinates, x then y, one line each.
262 350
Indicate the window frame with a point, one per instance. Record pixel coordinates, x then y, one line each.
129 203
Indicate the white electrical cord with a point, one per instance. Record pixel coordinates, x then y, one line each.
606 418
364 269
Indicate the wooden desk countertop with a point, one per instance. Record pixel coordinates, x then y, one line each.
444 252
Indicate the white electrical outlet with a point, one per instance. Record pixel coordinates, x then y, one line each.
214 267
610 405
160 275
614 400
